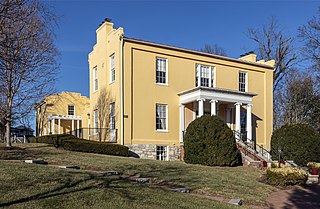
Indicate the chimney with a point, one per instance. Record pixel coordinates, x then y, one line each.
249 56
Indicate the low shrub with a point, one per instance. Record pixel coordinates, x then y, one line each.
286 176
95 147
54 139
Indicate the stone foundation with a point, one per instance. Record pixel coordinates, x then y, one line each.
149 151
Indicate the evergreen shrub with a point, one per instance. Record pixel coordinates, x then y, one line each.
209 141
298 142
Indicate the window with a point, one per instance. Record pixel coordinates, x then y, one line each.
95 78
95 121
71 110
243 123
161 71
112 117
204 76
161 117
112 69
161 153
242 81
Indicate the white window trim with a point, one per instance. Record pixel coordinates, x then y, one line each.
74 109
212 69
167 151
110 68
167 72
95 76
167 124
246 80
110 117
94 122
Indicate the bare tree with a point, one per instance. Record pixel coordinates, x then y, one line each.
299 101
273 44
214 49
27 57
310 34
103 107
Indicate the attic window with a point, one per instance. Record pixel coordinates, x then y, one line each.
70 109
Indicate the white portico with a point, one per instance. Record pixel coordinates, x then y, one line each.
205 100
74 120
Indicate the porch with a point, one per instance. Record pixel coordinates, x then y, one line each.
234 107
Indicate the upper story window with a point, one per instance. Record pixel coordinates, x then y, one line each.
112 116
112 69
205 76
95 78
161 70
71 110
243 86
161 117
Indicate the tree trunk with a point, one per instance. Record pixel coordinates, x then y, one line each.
8 133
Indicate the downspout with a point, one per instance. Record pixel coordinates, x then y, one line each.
122 90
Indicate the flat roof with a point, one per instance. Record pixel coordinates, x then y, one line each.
215 89
139 41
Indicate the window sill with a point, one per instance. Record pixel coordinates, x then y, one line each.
162 131
162 84
112 82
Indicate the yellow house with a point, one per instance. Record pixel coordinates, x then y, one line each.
157 90
62 113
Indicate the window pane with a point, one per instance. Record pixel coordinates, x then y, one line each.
112 116
70 109
242 81
161 153
161 70
161 114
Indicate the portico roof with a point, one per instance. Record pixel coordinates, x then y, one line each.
218 94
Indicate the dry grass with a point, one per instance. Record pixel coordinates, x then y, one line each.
237 182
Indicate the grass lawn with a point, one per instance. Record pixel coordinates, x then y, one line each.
35 186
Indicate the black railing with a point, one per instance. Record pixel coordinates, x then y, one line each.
96 134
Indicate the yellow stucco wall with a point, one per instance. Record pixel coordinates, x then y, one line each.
57 104
108 43
141 93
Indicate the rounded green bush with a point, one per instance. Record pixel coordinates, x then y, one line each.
298 142
209 141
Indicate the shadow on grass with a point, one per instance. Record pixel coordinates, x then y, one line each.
68 187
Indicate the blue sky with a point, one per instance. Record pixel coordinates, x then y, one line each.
188 24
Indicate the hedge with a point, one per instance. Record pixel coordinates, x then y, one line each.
95 147
286 176
54 139
298 142
209 141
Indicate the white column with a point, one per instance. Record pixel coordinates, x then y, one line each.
249 123
78 131
181 122
238 126
213 107
59 126
52 126
72 126
228 117
200 108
